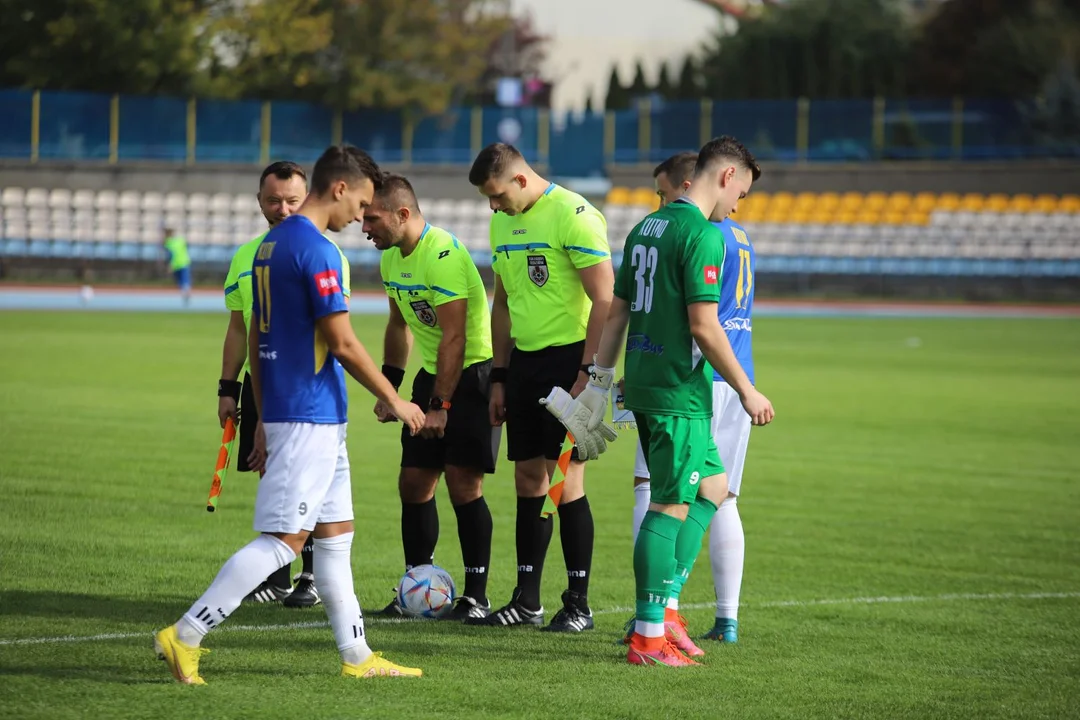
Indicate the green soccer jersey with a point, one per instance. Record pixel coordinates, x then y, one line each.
537 256
672 259
176 247
438 271
238 295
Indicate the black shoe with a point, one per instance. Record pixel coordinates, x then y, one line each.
514 613
575 615
304 595
267 593
465 608
393 610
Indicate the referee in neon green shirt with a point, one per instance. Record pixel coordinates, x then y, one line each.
282 188
553 287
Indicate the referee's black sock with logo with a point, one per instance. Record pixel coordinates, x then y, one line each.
474 532
533 538
281 578
307 555
419 532
576 531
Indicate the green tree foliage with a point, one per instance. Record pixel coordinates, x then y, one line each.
664 87
134 46
618 96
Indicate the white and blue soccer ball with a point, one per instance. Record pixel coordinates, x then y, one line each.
426 591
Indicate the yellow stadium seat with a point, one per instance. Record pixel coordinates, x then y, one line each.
1069 204
850 201
828 202
997 203
894 217
619 196
875 201
845 218
925 202
782 199
899 201
868 217
1046 204
917 218
799 217
645 197
822 217
948 201
972 202
1021 203
806 200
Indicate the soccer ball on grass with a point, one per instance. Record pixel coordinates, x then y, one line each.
426 591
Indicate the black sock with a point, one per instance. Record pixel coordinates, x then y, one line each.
307 555
576 530
533 537
280 578
474 533
419 532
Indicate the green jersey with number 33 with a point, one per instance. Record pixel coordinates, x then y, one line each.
672 259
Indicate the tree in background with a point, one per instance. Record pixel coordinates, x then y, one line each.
618 96
137 46
518 52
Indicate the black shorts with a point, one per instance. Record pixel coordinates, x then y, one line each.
249 418
470 441
531 431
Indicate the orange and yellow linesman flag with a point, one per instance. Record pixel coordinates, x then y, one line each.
228 440
555 488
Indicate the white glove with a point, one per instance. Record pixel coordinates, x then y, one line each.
597 394
575 417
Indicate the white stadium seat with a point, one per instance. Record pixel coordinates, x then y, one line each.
105 200
60 198
129 200
83 199
36 197
13 197
152 201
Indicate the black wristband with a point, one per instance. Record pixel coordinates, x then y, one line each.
587 369
498 375
229 388
395 375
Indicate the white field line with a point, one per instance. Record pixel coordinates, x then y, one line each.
952 597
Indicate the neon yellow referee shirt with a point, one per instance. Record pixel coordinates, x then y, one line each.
438 271
537 255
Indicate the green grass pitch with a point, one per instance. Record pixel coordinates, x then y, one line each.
912 523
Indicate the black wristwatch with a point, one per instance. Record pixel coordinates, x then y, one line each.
437 403
587 369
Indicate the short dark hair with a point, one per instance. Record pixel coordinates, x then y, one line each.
343 162
726 147
282 170
398 191
679 167
493 160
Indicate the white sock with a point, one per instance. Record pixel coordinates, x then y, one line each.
332 566
673 603
642 496
240 574
727 550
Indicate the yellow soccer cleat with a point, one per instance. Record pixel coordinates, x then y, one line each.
182 659
378 666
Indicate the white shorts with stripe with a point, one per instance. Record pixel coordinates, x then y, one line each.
731 433
307 478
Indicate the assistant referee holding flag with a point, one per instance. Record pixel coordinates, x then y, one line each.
553 287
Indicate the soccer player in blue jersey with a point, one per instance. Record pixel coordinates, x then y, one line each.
300 345
730 423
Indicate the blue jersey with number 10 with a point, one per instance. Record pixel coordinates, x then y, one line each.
737 294
297 280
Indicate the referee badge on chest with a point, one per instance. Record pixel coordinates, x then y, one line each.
424 312
538 270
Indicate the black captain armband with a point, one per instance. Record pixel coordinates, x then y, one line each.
498 375
229 388
395 375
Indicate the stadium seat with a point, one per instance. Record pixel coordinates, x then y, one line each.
60 198
1069 204
1045 203
13 197
152 202
128 200
972 202
175 201
645 197
997 202
197 203
105 200
948 201
221 202
1021 203
618 196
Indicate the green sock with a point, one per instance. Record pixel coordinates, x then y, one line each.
654 564
688 543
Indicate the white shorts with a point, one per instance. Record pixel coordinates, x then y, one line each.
731 433
307 478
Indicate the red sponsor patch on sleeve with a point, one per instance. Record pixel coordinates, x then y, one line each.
712 275
327 283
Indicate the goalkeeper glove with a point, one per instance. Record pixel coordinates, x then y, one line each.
575 416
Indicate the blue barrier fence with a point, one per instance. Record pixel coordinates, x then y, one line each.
48 125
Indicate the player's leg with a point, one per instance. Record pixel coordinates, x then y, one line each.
576 526
526 449
654 550
334 535
727 546
300 464
471 447
183 283
277 586
641 489
305 594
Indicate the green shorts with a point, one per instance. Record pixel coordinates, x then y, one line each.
679 452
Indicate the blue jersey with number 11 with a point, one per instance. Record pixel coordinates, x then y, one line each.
737 294
298 280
